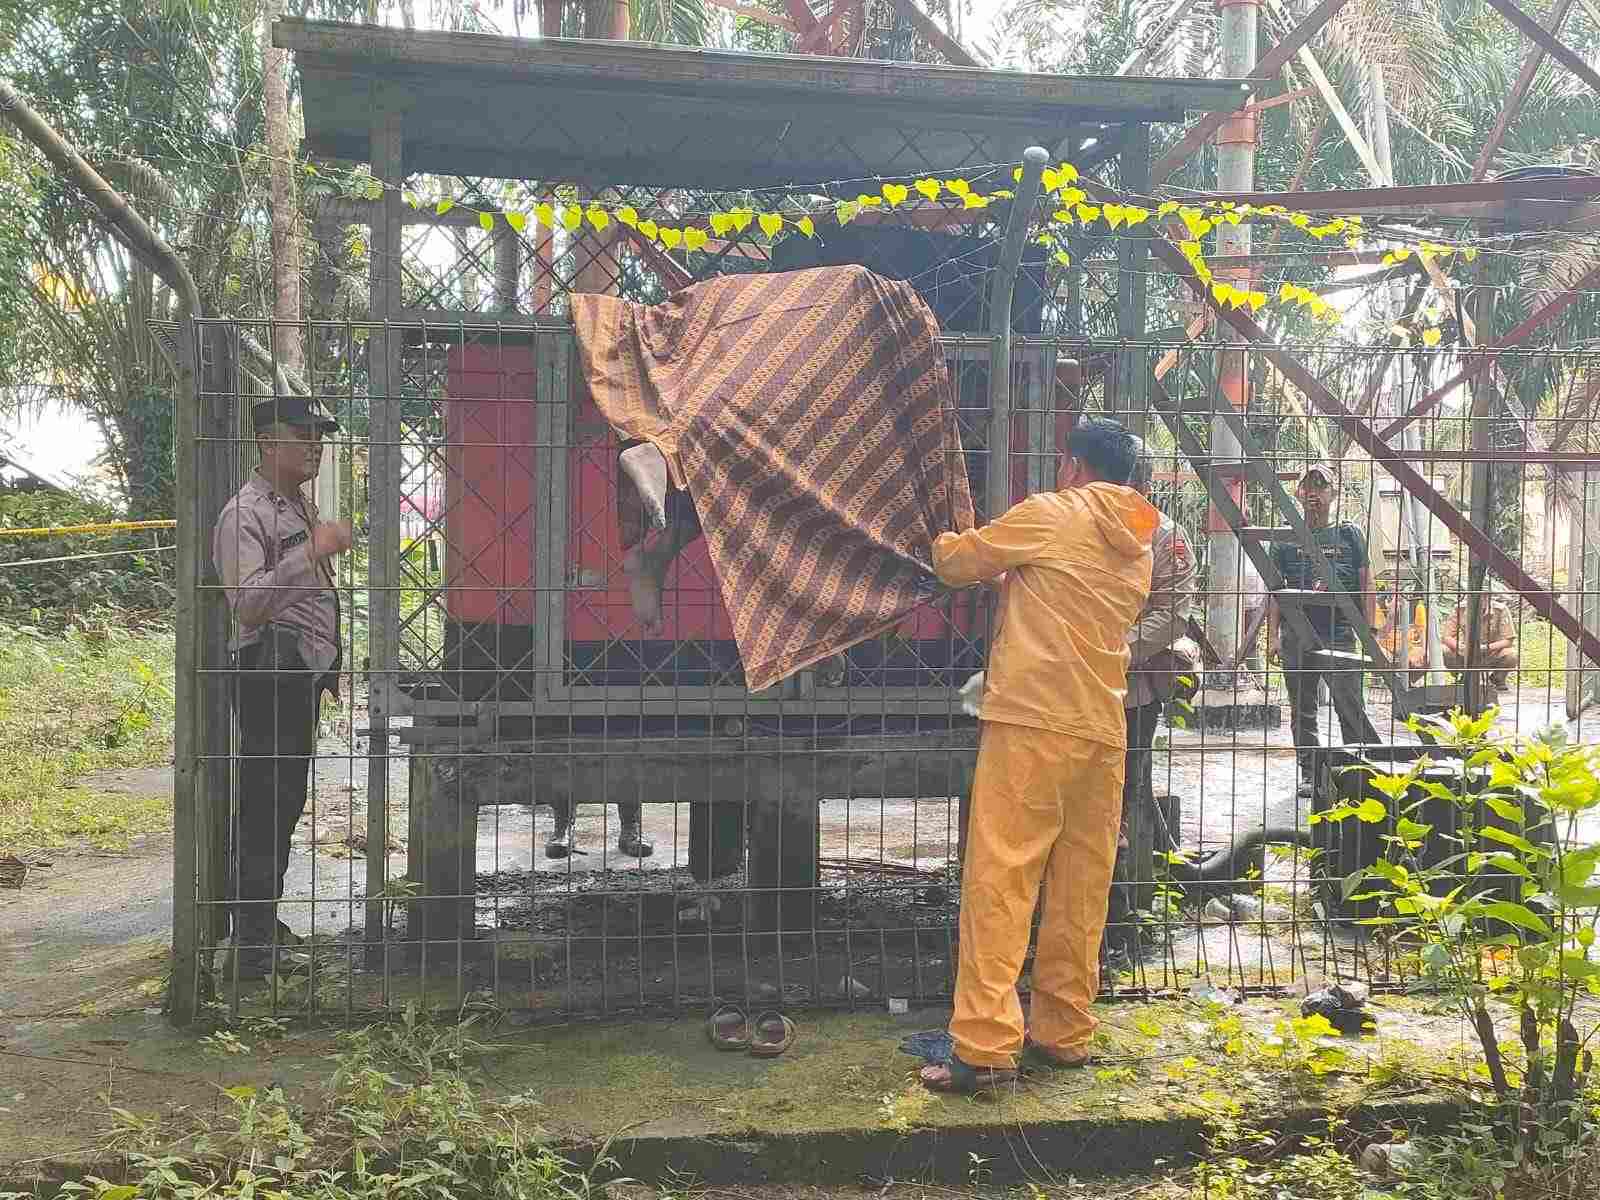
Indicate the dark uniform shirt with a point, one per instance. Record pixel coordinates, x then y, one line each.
1346 552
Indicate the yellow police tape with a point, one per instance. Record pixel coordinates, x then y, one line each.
108 527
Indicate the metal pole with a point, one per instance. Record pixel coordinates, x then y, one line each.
183 991
1236 155
1001 291
383 505
997 493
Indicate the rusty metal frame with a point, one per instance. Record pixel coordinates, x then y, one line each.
1430 198
936 37
1267 67
754 13
1486 356
1517 94
1545 602
1553 45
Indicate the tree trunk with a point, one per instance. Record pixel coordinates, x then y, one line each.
286 311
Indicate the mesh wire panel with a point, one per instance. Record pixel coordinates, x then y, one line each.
502 702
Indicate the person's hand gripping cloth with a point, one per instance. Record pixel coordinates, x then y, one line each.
810 418
1077 567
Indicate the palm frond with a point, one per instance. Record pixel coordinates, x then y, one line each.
674 22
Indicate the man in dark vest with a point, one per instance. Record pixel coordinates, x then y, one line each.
1345 550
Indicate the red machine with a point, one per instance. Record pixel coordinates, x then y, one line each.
492 577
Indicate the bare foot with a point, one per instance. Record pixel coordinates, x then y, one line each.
646 469
646 568
644 590
936 1079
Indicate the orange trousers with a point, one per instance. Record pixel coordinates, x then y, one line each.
1045 809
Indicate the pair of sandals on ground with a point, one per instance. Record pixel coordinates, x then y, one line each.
768 1036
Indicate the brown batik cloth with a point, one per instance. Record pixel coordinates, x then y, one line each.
809 415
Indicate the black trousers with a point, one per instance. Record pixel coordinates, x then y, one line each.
1138 796
1345 685
277 713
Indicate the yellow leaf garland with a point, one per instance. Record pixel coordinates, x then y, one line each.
1067 205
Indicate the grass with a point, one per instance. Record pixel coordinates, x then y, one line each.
73 703
1543 654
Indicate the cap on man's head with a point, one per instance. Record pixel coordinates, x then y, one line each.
293 410
1317 473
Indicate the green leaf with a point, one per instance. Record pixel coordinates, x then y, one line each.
1504 809
1519 915
1371 811
1392 872
124 1192
1577 866
1514 840
517 221
486 221
1570 896
1411 831
443 207
1351 882
1575 966
1499 862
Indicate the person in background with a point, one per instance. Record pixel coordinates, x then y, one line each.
1161 657
1048 788
274 554
1252 600
1345 550
1497 641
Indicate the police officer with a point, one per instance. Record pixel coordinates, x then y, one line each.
1497 642
1162 664
275 555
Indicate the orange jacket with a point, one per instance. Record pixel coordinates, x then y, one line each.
1077 573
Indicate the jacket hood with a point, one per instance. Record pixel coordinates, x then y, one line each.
1125 519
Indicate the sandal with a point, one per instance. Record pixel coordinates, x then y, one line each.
1036 1057
969 1081
728 1028
771 1034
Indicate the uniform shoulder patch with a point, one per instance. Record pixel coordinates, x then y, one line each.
293 540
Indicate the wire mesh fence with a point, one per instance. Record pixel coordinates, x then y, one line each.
524 797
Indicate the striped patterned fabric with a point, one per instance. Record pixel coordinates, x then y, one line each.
810 417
